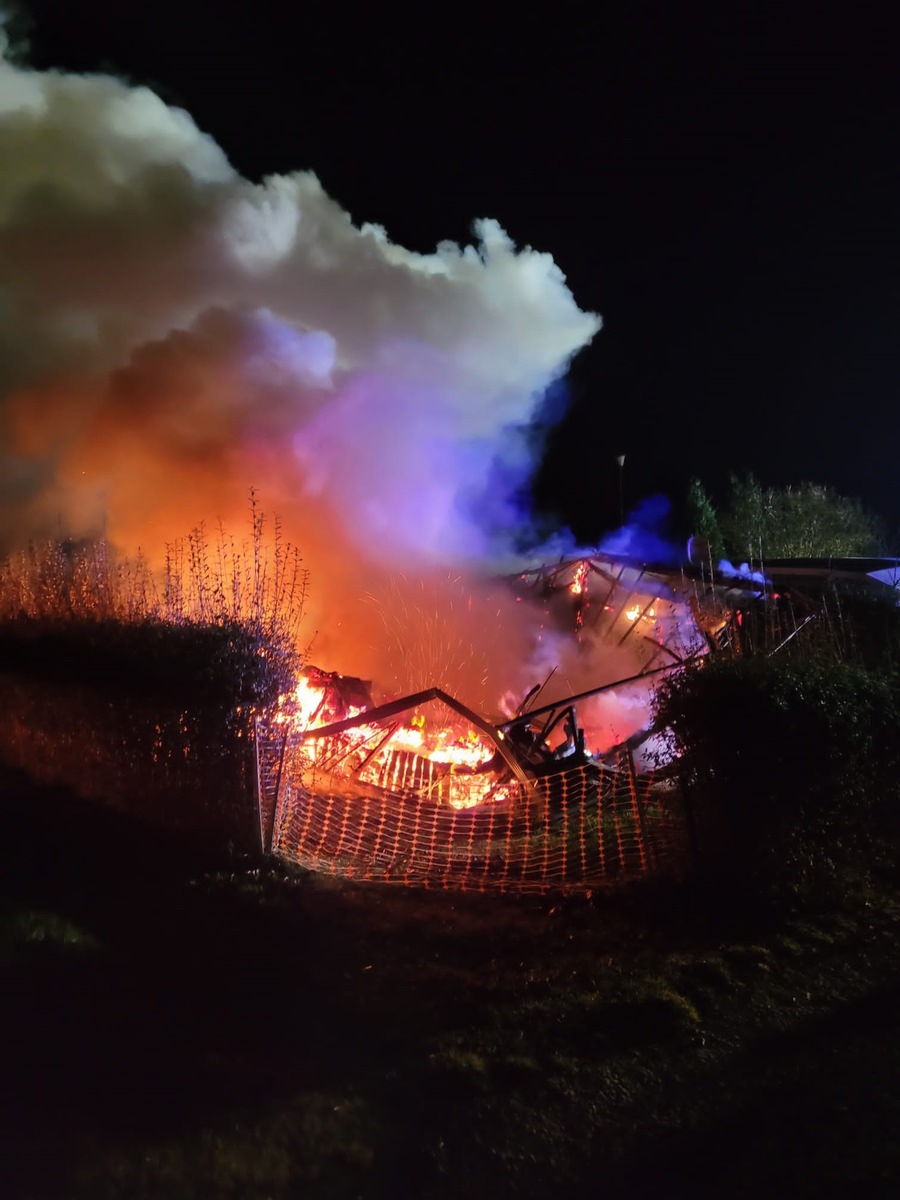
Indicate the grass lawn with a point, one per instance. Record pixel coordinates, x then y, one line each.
183 1025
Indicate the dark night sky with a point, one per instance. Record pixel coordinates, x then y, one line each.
720 182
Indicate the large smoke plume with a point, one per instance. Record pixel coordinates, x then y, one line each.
172 335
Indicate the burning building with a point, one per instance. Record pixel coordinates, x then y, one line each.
563 789
566 789
174 334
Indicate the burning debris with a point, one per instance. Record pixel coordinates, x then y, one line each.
564 789
432 749
427 743
435 745
323 697
424 789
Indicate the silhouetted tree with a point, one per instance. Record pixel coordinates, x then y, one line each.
805 520
703 520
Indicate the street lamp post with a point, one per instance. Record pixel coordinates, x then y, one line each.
620 459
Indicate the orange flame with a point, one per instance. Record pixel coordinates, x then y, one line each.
579 583
458 758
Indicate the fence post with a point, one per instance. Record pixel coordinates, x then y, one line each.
263 791
276 802
259 786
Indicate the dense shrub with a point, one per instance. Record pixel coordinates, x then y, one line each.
865 628
217 626
138 686
790 766
188 663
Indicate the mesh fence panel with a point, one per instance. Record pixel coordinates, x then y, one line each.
394 816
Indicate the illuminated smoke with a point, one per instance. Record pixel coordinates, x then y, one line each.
173 335
644 535
744 571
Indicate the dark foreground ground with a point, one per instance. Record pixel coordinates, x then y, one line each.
177 1026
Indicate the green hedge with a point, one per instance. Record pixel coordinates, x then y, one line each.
188 663
790 766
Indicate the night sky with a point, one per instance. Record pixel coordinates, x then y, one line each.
720 183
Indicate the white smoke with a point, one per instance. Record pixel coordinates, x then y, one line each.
172 335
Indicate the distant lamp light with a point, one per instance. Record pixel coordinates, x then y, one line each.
620 459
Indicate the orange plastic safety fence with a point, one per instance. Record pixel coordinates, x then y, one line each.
398 817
